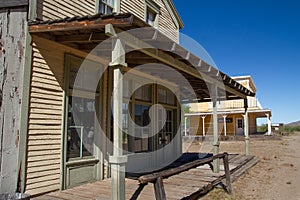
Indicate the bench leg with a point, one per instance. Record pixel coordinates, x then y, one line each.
227 174
159 189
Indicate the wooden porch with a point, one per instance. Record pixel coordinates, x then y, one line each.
189 184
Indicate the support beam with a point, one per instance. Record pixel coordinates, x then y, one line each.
185 126
117 161
269 124
216 143
203 124
225 131
246 127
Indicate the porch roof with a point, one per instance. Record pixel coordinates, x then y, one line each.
85 33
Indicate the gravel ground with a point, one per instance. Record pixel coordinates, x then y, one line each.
276 176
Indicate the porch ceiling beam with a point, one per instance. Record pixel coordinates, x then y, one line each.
169 60
82 25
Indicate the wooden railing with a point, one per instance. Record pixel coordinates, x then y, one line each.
157 178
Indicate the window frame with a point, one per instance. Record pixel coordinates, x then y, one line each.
80 93
106 4
153 7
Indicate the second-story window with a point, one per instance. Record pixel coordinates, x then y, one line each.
106 6
150 17
152 13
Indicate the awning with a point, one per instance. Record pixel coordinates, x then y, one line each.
85 33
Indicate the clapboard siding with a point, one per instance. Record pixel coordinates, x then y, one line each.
53 9
136 7
166 23
45 121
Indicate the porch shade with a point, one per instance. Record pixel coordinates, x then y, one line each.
85 33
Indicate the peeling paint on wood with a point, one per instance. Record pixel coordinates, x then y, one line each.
12 45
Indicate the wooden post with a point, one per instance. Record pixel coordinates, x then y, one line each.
216 143
227 173
269 124
224 116
159 189
117 161
203 125
185 128
246 127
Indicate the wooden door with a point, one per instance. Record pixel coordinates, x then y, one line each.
239 126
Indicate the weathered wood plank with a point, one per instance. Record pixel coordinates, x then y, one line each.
43 116
44 133
34 170
166 173
43 178
46 92
12 61
42 173
44 127
41 153
41 163
49 188
44 147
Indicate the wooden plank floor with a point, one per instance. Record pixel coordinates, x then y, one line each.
187 184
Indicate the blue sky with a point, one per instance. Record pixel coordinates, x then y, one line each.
259 38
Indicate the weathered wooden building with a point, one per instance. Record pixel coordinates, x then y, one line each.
231 114
68 134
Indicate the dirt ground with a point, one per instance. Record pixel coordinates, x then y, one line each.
276 176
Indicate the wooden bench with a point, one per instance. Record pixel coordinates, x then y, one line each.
157 178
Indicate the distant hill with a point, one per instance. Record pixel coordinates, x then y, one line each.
297 123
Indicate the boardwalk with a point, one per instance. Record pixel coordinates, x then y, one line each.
186 185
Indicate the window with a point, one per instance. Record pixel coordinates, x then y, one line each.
106 6
82 102
152 13
166 133
141 131
240 123
166 96
150 18
80 131
143 93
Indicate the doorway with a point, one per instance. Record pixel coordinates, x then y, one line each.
239 126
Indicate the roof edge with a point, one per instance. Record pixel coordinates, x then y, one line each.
171 7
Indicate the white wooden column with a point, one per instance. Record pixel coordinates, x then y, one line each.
224 116
185 128
203 124
246 127
117 160
216 143
269 124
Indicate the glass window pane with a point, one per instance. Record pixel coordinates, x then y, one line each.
162 96
170 98
139 93
147 93
80 127
142 119
101 8
150 18
109 10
